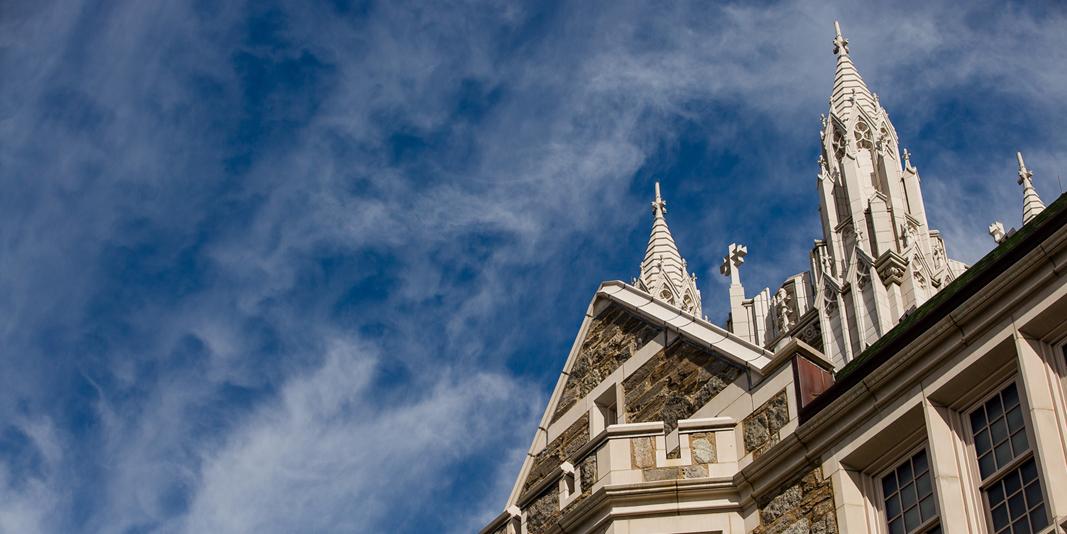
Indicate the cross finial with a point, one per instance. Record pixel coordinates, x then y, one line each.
659 206
1024 173
907 158
732 261
840 43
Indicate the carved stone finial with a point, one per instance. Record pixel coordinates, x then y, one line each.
732 262
907 158
996 231
659 206
840 43
1024 173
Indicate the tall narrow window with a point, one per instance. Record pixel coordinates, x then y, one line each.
1011 487
908 496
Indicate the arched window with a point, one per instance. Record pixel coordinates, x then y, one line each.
667 296
839 143
863 136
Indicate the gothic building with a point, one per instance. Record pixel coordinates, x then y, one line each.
888 389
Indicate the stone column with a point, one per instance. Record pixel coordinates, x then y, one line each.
955 502
1045 405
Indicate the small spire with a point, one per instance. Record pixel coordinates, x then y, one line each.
849 88
907 158
664 274
1032 204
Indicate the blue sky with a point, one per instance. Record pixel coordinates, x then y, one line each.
315 266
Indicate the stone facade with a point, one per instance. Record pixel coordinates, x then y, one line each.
806 506
543 512
761 429
548 460
612 339
675 383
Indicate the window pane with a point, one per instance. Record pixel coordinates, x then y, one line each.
1028 470
919 461
1010 395
927 507
1015 418
1011 483
889 484
987 465
978 420
1000 517
1018 443
1017 505
923 486
1021 526
892 507
1038 519
896 526
1033 493
999 431
911 519
904 473
1003 454
907 496
981 442
993 408
996 494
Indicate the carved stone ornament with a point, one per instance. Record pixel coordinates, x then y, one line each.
830 299
862 278
891 268
783 308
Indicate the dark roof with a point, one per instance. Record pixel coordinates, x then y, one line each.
1029 237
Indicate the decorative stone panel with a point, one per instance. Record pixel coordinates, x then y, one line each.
702 445
806 506
643 457
675 383
612 338
761 427
548 460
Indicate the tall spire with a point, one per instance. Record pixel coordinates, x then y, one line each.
663 271
1032 204
848 85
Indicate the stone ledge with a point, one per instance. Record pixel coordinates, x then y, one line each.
688 426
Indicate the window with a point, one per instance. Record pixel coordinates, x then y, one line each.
863 136
908 497
1011 487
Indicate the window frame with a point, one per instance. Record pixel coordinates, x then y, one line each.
982 485
891 466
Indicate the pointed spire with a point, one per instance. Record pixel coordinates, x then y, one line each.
663 271
1032 204
849 87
